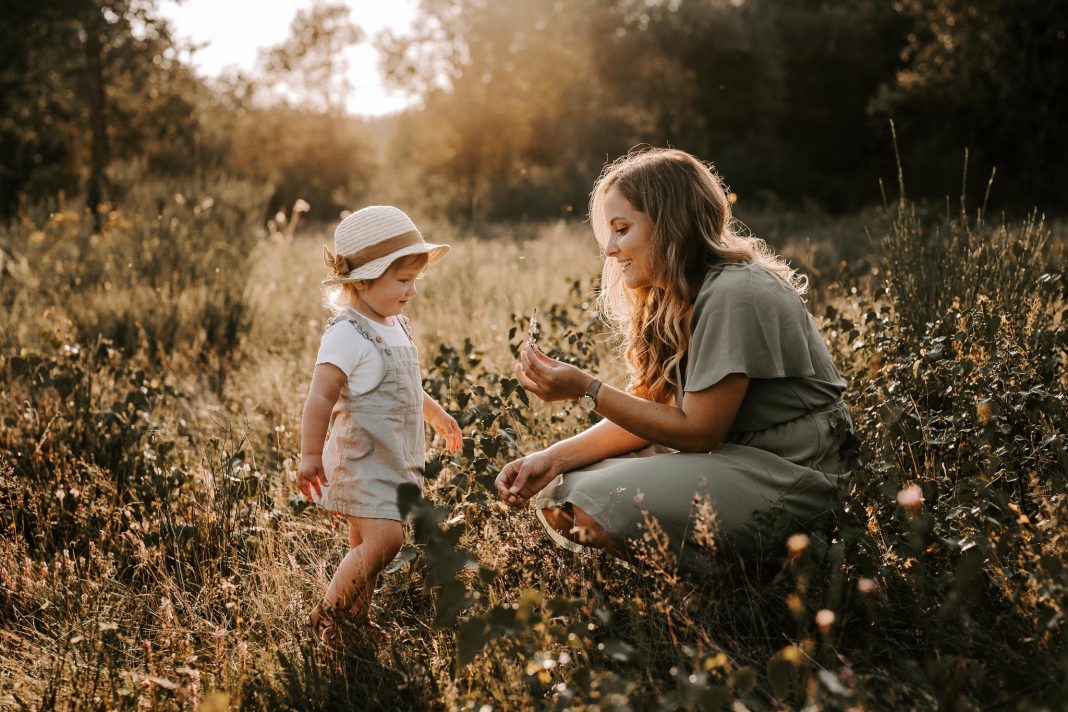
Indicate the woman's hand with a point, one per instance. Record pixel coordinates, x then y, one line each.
310 476
549 379
521 479
445 426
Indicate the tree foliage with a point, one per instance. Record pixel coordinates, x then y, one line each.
84 83
991 75
520 104
310 63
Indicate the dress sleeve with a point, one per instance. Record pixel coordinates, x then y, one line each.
748 321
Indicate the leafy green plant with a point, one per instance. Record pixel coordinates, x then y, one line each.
153 553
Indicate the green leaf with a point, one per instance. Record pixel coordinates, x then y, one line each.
488 445
451 600
471 637
1052 565
968 567
408 495
433 468
619 650
781 668
527 605
713 697
508 386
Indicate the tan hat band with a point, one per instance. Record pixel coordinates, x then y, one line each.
381 249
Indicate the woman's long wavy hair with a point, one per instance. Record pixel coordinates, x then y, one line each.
693 233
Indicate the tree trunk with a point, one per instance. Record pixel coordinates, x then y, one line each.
98 153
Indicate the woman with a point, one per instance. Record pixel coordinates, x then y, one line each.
726 367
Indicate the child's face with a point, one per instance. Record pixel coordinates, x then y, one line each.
389 294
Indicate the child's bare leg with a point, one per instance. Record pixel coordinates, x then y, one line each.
354 532
376 541
357 609
355 540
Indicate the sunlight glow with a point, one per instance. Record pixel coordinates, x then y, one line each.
231 33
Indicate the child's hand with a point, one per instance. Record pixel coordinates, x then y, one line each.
310 476
445 426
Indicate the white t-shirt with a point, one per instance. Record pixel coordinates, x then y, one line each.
343 346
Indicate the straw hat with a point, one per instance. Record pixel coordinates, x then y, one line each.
367 242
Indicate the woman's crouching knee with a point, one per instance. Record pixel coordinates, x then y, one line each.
558 519
575 524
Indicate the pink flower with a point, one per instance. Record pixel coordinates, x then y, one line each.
911 499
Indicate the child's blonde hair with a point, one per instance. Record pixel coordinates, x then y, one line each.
339 297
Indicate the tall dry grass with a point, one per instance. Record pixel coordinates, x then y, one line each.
155 554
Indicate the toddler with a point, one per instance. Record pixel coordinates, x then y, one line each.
362 430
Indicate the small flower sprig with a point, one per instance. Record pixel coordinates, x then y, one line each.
532 332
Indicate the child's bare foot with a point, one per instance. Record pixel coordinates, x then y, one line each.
321 624
361 631
333 628
360 624
373 632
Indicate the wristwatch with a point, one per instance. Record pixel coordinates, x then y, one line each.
589 399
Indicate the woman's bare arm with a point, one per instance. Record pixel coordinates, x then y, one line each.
698 424
596 443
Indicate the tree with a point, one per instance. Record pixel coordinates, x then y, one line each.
310 65
297 137
513 123
73 85
992 76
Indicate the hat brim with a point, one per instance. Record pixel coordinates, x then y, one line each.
375 268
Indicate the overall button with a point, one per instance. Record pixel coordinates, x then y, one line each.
388 352
378 339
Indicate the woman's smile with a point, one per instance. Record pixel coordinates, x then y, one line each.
630 239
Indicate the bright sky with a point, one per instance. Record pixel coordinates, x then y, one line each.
235 31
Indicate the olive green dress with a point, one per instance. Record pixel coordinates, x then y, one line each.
788 450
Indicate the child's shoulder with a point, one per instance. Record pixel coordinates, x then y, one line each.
341 328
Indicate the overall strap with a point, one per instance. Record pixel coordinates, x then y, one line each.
362 326
403 321
359 322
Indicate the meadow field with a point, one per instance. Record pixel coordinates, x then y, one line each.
156 555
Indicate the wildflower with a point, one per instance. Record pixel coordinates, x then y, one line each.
911 499
797 544
982 412
532 333
867 586
825 619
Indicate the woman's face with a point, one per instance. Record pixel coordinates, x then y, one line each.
630 239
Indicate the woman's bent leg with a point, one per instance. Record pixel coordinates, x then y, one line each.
576 525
